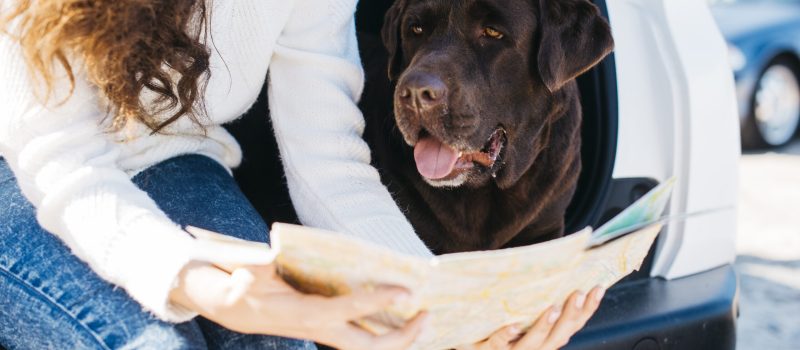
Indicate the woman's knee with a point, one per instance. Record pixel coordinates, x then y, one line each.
53 300
194 190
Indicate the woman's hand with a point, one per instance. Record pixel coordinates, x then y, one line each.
255 300
551 331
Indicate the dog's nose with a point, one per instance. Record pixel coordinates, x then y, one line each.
425 90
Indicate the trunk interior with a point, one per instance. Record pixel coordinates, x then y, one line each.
261 175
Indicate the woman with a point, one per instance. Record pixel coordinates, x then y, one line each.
111 141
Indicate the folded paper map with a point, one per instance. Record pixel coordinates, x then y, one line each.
468 296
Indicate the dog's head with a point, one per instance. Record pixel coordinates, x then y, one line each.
476 80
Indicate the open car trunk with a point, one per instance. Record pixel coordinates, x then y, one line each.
639 312
597 198
260 174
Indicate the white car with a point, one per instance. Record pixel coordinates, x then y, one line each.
663 105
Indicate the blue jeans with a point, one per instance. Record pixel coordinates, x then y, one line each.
49 299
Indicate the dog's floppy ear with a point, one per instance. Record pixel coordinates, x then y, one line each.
574 37
390 33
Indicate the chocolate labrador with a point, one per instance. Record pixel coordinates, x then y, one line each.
476 131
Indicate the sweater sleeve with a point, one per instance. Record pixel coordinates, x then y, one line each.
67 168
315 81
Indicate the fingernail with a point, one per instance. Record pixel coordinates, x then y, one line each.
599 295
514 330
554 315
580 300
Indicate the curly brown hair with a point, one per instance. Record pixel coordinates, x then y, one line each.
127 47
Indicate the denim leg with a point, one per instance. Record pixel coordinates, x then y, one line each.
51 299
195 190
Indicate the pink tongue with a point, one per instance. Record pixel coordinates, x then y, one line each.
435 160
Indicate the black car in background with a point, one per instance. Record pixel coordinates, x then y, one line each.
764 48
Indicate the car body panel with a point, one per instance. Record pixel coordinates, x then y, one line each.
693 312
677 117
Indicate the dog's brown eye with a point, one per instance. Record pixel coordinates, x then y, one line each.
493 33
417 29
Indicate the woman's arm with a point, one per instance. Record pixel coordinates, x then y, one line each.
67 169
315 80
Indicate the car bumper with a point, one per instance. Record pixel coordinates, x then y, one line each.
694 312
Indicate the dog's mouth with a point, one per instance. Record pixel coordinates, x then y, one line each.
438 161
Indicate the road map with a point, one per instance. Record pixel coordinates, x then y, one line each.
468 296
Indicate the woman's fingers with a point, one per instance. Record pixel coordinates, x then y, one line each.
578 308
567 324
499 340
365 302
340 310
540 330
352 337
404 337
503 338
334 325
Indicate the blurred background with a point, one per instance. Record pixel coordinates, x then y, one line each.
764 52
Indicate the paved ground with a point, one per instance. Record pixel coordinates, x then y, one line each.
769 250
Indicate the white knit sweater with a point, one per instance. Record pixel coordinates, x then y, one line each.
78 175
